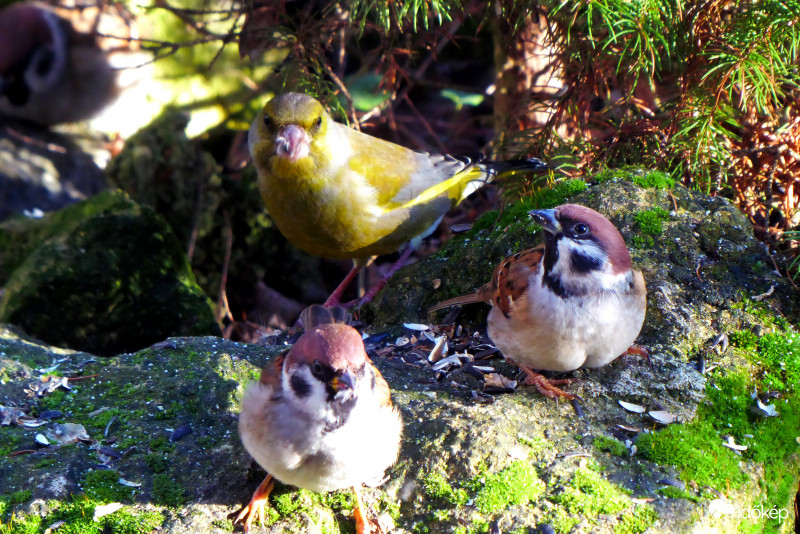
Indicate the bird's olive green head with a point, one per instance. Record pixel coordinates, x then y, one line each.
287 126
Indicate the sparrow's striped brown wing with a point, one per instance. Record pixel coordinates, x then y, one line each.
271 373
510 278
381 388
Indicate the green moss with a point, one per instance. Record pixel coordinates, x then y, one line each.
78 518
44 462
126 521
156 462
161 444
653 180
611 445
517 484
642 178
650 221
166 491
436 486
671 492
780 354
545 198
588 494
696 450
104 487
744 339
639 521
18 497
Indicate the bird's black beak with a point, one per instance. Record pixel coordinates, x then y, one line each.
547 220
344 381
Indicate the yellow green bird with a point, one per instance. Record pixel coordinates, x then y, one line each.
339 193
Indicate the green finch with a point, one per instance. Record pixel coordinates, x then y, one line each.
339 193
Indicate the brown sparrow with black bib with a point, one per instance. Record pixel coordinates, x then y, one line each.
573 302
321 416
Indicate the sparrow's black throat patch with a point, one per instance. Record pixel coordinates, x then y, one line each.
584 263
301 388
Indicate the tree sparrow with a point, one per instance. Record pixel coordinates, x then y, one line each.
320 417
573 302
50 73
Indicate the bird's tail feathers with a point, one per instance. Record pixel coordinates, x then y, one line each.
458 301
316 315
513 166
485 170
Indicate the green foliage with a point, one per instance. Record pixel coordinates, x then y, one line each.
704 72
515 485
392 15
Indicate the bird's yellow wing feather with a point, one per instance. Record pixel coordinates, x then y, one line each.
404 178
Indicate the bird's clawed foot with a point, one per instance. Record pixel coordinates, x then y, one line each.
546 386
637 350
255 508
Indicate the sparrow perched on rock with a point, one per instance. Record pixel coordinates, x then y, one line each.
573 302
342 194
50 73
320 417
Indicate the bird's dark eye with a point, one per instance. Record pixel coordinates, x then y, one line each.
318 122
267 122
316 368
581 229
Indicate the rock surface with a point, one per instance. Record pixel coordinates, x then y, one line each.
105 275
164 418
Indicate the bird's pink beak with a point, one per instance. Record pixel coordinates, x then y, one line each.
293 142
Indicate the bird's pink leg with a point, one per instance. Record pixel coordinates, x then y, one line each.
401 261
256 505
545 386
335 298
363 526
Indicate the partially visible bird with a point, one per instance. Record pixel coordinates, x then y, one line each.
575 301
50 73
339 193
321 416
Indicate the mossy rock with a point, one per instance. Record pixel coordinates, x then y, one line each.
162 168
468 464
106 276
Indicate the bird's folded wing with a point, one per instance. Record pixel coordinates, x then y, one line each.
510 279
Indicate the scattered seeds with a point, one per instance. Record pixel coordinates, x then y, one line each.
439 350
635 408
416 326
662 416
102 510
731 444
